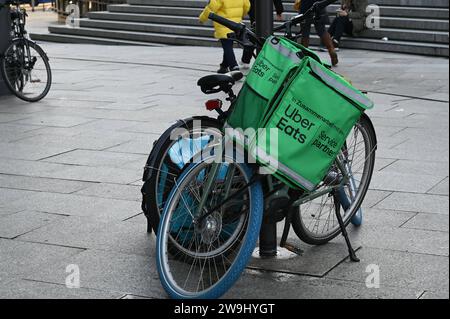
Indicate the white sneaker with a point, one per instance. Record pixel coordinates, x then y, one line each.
244 66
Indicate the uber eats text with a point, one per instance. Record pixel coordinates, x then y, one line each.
299 127
260 68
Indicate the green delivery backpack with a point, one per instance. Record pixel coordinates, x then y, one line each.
277 59
293 114
311 119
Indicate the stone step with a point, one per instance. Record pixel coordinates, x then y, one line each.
200 3
172 22
385 11
411 26
409 23
396 46
390 22
207 32
146 37
66 38
111 21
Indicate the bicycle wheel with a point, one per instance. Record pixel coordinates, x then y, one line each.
26 70
174 149
315 222
211 251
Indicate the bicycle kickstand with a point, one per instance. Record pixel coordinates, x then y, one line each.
337 209
287 227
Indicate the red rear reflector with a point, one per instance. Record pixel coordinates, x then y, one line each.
212 105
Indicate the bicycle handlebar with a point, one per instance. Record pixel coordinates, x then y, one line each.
241 29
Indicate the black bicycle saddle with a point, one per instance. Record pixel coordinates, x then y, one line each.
215 83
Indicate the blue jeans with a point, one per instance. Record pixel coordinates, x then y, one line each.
229 59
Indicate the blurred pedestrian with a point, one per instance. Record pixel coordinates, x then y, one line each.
320 22
350 19
248 52
233 10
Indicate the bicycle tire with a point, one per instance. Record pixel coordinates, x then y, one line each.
151 204
297 220
244 253
9 81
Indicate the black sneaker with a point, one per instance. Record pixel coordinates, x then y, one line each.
222 70
235 68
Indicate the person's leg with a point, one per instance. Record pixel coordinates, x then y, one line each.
348 29
306 32
247 55
230 58
332 28
340 27
223 66
251 12
326 39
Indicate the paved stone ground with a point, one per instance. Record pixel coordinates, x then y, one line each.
70 169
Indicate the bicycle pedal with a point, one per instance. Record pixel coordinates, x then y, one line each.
294 249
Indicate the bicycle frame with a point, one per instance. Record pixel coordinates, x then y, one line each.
306 197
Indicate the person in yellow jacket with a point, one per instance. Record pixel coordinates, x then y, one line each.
233 10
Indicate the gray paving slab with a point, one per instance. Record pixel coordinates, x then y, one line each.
97 109
423 203
436 147
116 191
131 296
16 106
382 217
422 135
63 103
139 219
418 167
426 107
428 222
76 205
438 96
118 236
22 258
401 239
386 121
108 271
10 132
29 289
373 197
397 269
315 260
401 182
96 158
100 126
435 295
7 211
30 168
41 184
440 189
280 286
11 195
113 175
54 120
30 152
14 225
140 146
79 141
12 117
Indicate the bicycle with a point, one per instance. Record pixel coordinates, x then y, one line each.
166 160
212 216
24 65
